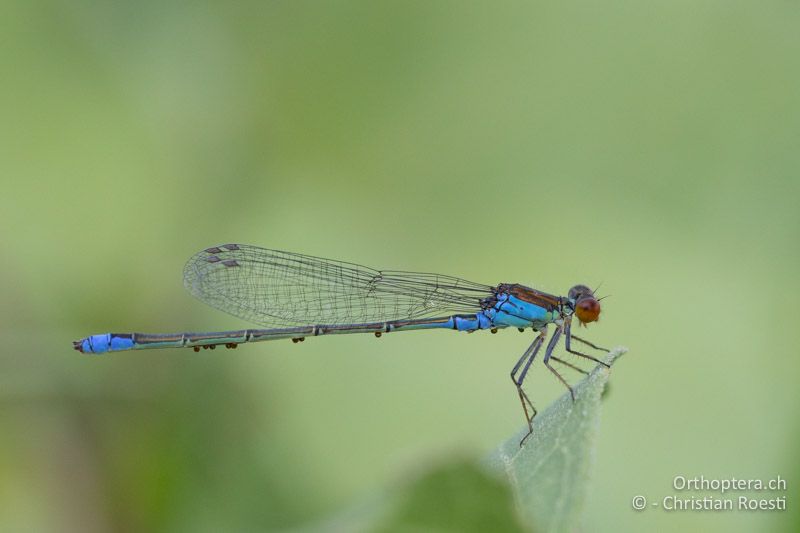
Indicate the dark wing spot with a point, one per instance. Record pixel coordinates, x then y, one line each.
230 263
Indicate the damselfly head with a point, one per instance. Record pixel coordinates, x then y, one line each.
586 306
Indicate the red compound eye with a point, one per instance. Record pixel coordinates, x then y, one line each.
587 309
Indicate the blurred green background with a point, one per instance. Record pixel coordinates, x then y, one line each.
652 147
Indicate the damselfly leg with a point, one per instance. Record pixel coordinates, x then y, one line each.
587 343
549 353
527 358
520 370
569 336
570 365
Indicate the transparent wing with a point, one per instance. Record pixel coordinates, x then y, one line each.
275 288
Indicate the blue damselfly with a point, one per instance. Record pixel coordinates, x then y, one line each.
297 296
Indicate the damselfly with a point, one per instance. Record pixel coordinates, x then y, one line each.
298 296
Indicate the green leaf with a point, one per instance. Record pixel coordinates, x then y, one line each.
458 496
549 474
